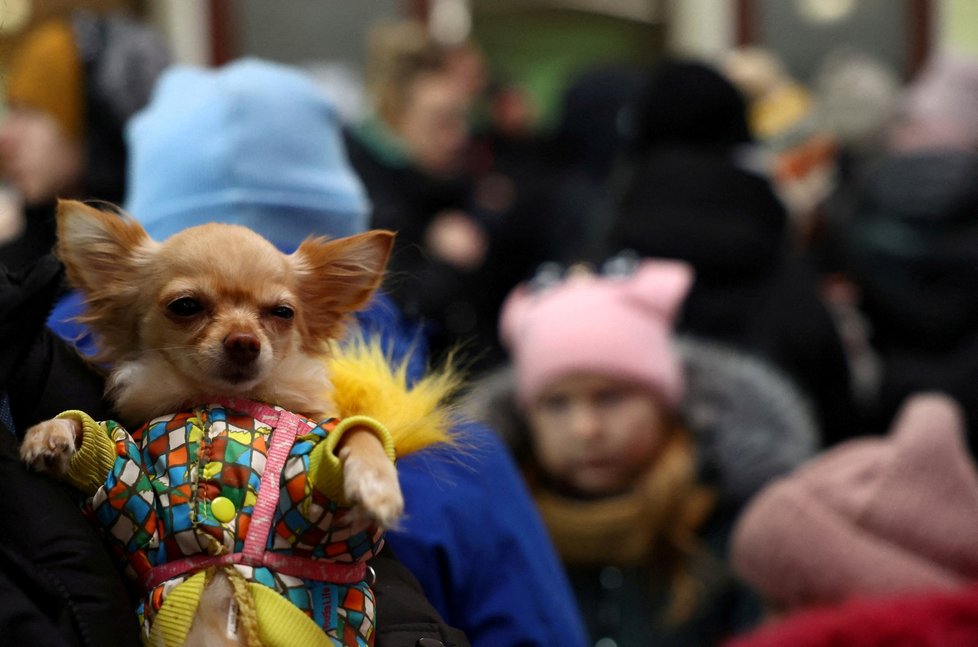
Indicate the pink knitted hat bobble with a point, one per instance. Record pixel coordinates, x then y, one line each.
618 326
870 517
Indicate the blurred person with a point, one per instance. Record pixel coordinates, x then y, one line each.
856 100
909 249
939 107
70 88
692 189
584 149
480 564
410 154
639 448
782 117
871 517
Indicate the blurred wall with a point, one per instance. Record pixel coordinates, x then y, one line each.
958 26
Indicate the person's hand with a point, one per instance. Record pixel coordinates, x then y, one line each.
455 238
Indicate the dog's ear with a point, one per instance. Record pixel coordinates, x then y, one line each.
102 252
98 248
340 276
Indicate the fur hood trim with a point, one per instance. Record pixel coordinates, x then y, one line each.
367 381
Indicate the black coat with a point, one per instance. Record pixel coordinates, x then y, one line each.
912 248
751 289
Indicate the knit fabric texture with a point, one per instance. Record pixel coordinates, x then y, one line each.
620 327
252 166
873 516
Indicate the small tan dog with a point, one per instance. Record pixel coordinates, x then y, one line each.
217 310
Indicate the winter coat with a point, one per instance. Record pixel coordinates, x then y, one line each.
58 585
750 425
752 290
911 248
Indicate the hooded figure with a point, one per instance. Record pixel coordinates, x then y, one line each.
692 190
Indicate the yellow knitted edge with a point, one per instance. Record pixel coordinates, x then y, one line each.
325 468
172 622
366 381
93 461
282 624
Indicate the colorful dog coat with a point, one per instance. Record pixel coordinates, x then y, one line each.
251 488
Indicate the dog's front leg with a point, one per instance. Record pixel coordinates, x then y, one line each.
49 445
370 478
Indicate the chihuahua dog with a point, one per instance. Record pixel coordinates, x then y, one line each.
217 310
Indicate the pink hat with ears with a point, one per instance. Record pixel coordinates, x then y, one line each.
617 326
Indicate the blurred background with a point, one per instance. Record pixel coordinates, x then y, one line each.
540 44
541 150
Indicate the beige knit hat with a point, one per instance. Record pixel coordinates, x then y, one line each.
873 516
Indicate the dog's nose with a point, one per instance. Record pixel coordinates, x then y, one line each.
242 347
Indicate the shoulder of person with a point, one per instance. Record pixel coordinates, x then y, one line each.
751 423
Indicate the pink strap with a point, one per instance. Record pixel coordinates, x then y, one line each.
302 567
285 427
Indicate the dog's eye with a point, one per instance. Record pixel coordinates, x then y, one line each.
185 307
283 312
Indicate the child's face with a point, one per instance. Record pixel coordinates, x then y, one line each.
596 434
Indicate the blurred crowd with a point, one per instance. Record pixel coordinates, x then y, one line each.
722 319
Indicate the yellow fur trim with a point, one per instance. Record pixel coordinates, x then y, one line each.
367 382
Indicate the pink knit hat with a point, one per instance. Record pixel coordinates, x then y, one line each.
873 516
616 326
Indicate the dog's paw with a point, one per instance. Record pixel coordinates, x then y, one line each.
372 487
48 446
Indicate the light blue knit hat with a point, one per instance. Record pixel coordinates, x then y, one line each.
252 143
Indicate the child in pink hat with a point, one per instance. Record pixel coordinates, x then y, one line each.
598 393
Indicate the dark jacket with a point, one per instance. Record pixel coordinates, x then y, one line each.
404 199
752 290
689 189
58 584
912 248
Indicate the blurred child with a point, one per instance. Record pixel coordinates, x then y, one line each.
70 88
637 502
